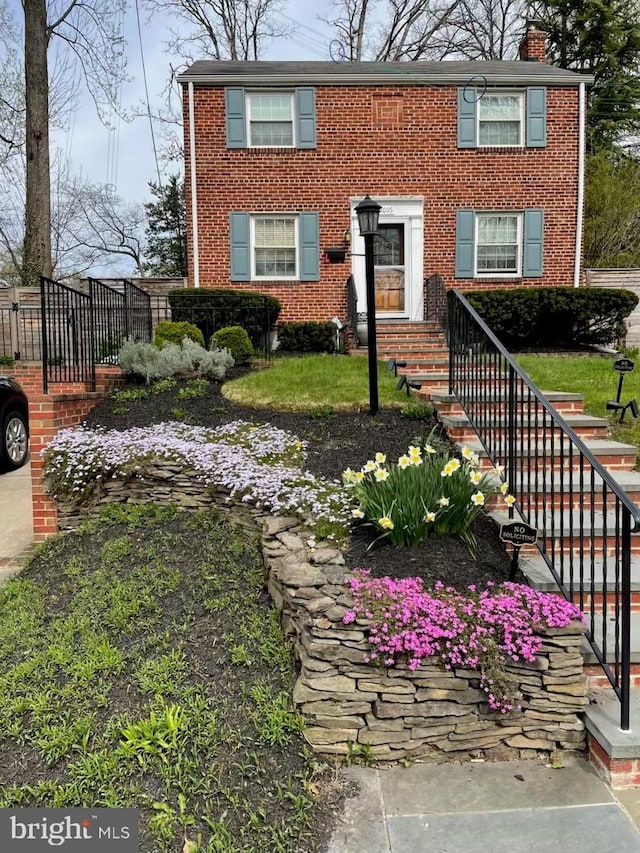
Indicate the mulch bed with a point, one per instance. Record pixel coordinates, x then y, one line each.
341 440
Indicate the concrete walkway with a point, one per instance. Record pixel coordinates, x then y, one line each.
486 807
16 519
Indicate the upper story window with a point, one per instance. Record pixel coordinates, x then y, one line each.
274 246
494 118
498 244
500 118
270 119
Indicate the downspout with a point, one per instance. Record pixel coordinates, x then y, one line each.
194 188
580 199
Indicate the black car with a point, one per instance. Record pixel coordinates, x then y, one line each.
14 422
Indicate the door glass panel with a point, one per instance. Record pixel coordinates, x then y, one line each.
388 256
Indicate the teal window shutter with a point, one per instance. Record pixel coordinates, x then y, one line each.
305 118
240 251
465 240
533 243
235 117
309 258
536 117
467 115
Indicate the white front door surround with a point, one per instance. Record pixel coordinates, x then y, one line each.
409 213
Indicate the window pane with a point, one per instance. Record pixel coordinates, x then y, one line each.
275 246
500 119
500 107
266 106
388 248
499 133
273 133
497 244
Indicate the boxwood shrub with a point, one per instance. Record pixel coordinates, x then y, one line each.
307 337
236 340
554 316
169 332
211 309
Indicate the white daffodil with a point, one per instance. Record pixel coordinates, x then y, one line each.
429 516
504 488
381 475
477 499
369 466
404 462
357 513
443 501
430 449
466 452
475 477
498 469
509 500
381 458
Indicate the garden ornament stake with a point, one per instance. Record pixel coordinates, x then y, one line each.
622 366
368 214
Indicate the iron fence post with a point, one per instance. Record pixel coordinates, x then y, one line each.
45 348
511 428
625 651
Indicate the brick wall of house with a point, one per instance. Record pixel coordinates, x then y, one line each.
386 141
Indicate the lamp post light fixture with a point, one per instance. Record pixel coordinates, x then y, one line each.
368 214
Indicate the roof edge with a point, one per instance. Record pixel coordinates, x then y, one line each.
441 78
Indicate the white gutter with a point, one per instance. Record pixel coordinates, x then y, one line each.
580 199
194 189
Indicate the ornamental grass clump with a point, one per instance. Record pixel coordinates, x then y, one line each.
426 492
483 631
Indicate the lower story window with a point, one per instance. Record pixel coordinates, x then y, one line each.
274 246
498 244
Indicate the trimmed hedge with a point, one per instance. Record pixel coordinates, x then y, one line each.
236 340
169 332
307 337
211 309
555 316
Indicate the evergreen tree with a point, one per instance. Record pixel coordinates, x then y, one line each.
599 37
167 229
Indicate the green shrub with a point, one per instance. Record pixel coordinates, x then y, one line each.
214 308
236 340
6 361
169 332
307 337
555 316
146 361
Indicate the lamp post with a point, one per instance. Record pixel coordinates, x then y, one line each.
368 213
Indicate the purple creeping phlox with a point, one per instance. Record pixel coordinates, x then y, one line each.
482 630
254 463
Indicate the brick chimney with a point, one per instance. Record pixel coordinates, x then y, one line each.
533 47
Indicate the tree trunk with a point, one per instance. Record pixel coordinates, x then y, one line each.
37 238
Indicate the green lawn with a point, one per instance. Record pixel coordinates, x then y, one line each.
313 382
592 376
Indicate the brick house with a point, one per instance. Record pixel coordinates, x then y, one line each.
478 166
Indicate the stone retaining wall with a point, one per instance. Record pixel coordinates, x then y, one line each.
352 707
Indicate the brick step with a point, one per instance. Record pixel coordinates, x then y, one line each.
586 426
418 360
613 455
562 401
568 492
411 344
398 327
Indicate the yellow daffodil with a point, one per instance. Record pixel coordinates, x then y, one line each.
443 501
451 466
381 474
385 522
504 488
404 462
429 516
381 458
414 452
509 500
369 466
475 477
357 513
467 452
477 499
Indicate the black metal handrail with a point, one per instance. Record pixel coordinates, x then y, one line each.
585 517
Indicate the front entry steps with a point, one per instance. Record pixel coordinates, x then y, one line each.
615 754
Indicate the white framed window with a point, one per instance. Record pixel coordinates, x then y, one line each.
274 247
498 244
270 119
501 119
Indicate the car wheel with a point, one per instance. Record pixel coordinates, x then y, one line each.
15 440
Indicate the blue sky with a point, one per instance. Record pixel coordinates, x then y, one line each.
124 157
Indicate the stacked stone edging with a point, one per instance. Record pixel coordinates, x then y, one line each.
349 705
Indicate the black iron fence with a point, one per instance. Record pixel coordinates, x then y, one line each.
119 314
584 518
67 335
